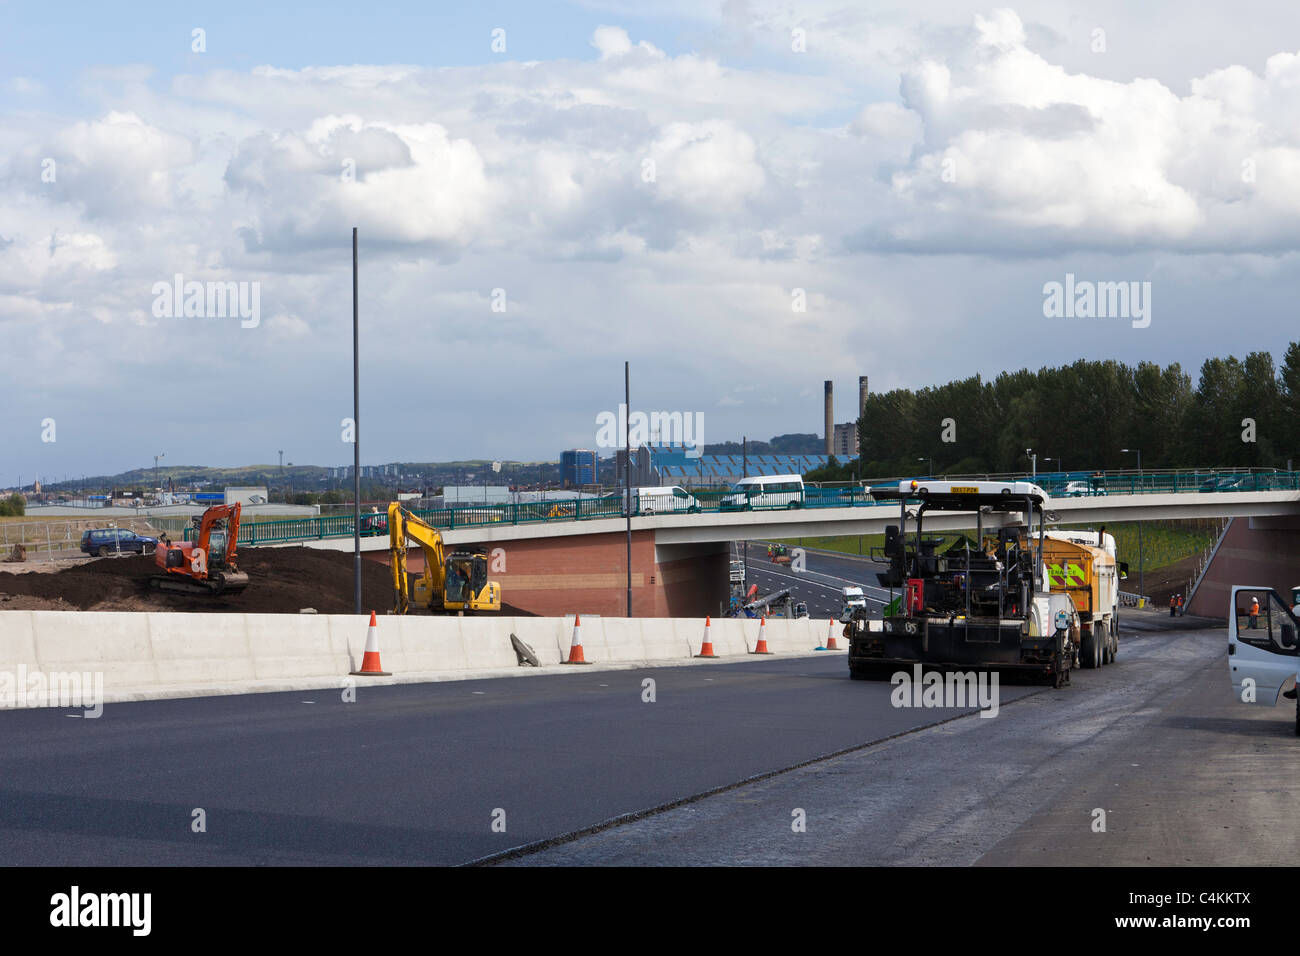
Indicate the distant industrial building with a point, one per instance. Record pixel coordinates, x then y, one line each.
578 468
670 465
477 494
464 496
842 440
846 441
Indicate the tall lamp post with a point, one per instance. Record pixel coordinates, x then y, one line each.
1141 560
929 465
155 471
1033 461
627 475
356 437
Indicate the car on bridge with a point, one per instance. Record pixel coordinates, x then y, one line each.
1080 489
374 523
1225 483
106 541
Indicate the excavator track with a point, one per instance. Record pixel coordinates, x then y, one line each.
230 583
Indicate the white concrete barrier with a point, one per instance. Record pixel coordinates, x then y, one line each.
207 647
153 654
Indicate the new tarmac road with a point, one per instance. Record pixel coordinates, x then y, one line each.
820 582
461 771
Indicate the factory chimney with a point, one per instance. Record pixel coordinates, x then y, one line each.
862 395
830 420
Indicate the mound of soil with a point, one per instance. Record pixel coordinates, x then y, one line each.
280 581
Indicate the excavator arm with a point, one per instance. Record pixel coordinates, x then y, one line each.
228 513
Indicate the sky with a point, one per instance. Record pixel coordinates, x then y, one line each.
741 198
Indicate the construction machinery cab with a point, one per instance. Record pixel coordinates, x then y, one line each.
450 582
466 574
206 564
968 601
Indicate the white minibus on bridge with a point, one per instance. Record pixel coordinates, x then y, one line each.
765 491
665 498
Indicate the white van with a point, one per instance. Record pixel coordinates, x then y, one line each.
665 498
765 491
738 572
1263 657
852 598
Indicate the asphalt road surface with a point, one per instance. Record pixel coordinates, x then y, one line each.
413 774
1181 772
819 584
418 774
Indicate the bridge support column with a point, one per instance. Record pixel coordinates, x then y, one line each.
552 576
1261 551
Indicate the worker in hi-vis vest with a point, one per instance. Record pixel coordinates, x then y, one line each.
1254 613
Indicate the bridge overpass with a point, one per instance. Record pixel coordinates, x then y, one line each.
575 558
681 528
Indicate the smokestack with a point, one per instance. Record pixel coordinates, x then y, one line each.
862 395
830 420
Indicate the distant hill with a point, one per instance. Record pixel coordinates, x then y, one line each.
404 475
312 477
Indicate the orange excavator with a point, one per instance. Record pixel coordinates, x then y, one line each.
205 565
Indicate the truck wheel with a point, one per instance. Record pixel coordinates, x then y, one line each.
1088 655
860 673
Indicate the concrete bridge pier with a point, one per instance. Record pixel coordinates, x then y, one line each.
587 573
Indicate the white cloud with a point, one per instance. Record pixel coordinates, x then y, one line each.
1021 155
820 173
709 165
611 41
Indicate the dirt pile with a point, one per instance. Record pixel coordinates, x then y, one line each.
281 581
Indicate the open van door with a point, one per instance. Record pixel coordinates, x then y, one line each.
1262 655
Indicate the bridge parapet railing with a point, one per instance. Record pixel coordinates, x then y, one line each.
460 516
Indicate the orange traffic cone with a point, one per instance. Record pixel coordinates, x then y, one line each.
575 649
830 638
706 648
370 666
761 646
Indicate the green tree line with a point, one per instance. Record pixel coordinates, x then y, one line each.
1079 417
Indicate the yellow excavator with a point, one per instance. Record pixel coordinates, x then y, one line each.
450 582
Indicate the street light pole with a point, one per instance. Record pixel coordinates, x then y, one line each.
356 437
1141 559
744 473
627 474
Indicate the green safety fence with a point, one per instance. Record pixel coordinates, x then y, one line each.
717 501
